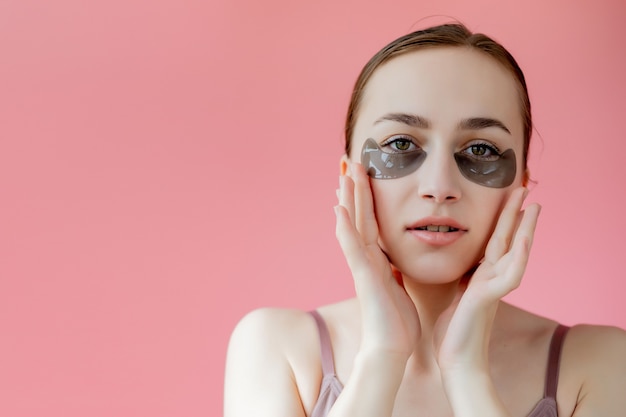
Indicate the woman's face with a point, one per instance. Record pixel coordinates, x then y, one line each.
445 101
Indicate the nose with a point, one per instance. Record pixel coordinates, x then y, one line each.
439 178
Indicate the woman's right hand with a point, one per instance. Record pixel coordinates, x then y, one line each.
389 319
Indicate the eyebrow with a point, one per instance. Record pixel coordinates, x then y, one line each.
414 120
477 123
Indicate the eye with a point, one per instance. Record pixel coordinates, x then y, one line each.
482 151
397 144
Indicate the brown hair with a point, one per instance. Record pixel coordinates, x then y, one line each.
449 35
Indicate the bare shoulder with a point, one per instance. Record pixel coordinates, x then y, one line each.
286 330
265 349
592 373
596 351
283 339
273 364
273 326
594 361
586 339
586 347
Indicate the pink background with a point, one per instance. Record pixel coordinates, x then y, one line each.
168 165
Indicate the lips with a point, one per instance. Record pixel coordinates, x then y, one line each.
438 224
437 231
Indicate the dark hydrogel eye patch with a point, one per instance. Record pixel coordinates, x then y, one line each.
498 173
384 165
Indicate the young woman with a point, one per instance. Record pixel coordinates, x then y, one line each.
431 221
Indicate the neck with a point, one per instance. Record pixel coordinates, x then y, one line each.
432 301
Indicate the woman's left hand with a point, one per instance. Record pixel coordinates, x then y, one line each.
463 331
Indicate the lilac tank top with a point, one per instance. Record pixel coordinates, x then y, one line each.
331 387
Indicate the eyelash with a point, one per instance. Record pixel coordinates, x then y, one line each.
397 138
493 149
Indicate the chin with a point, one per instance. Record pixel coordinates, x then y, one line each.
432 277
434 270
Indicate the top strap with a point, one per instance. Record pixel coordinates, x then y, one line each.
328 366
554 361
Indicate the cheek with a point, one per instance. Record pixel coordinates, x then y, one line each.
381 198
387 205
492 211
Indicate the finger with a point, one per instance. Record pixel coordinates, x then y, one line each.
346 196
349 239
356 255
528 224
364 206
515 265
502 235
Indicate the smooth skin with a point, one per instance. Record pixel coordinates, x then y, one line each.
428 334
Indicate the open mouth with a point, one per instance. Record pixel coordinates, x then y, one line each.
437 228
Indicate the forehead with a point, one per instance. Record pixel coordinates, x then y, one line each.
443 85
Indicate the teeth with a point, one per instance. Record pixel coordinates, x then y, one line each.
437 228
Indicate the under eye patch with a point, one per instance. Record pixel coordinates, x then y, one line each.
498 173
384 165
